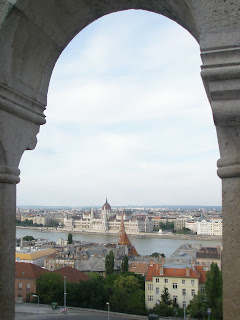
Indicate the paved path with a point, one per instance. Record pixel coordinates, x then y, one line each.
30 312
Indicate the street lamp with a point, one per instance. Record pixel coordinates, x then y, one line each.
108 308
184 309
36 296
65 295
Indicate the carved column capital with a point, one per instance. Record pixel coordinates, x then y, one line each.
221 78
9 174
20 119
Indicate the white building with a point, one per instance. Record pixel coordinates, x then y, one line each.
108 222
192 225
182 282
211 227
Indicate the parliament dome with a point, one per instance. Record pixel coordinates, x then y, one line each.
106 206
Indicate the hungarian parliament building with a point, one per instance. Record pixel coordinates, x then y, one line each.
108 222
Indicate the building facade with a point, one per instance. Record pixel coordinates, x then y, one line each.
182 282
109 222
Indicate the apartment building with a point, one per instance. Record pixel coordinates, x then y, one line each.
182 282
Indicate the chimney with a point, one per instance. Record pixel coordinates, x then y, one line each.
161 270
187 272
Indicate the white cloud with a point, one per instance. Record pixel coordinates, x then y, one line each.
128 116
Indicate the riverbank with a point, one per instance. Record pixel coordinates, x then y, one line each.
141 235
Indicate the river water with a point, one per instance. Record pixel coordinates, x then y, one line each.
144 246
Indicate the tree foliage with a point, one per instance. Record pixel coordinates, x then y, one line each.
164 310
127 295
27 223
92 294
210 298
156 255
125 292
165 307
165 297
167 226
125 264
50 288
109 263
28 238
70 238
52 223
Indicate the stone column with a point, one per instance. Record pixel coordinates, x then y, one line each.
19 124
221 77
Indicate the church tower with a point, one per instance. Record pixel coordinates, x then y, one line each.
124 240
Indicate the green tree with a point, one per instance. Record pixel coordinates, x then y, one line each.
28 238
211 298
127 295
109 263
164 310
92 293
213 289
167 226
165 297
125 264
70 238
156 255
50 288
53 224
198 307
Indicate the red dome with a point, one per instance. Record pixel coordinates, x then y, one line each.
106 206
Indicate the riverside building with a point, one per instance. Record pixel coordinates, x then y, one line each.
109 222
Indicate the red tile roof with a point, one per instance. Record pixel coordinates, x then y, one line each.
25 270
203 274
138 267
72 275
154 271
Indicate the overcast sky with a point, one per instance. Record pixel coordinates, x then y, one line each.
127 117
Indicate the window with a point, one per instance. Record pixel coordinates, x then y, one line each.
150 298
157 290
166 280
174 285
150 287
183 292
28 286
202 289
183 281
157 279
192 282
193 292
175 299
19 286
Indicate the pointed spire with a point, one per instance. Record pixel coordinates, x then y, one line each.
124 240
123 237
92 214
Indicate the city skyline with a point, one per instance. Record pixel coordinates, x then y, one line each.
127 116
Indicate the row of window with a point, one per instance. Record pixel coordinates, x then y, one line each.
28 286
184 291
183 281
174 285
175 300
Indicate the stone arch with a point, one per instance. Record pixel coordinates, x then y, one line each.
33 35
37 32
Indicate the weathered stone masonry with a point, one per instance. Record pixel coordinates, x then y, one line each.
33 34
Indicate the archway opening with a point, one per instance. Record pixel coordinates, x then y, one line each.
127 116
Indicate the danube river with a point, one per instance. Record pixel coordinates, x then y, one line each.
144 246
